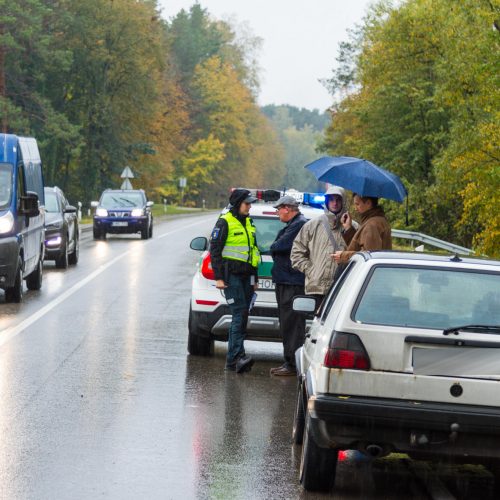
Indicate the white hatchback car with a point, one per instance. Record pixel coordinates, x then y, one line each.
209 316
403 356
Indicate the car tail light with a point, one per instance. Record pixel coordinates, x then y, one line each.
346 351
206 267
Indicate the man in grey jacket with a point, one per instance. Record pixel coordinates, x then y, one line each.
318 239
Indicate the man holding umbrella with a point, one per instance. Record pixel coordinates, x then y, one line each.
374 233
368 182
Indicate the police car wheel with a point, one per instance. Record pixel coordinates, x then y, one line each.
199 341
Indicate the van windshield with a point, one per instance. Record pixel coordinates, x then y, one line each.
5 185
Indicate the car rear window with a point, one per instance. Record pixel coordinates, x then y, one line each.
266 228
429 298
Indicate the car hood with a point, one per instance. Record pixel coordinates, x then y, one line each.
52 218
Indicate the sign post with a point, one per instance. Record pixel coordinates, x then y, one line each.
182 185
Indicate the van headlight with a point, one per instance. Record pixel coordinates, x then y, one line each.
137 212
101 212
6 223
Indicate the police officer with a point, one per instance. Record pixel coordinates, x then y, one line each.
235 257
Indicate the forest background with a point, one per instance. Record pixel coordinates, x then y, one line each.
107 83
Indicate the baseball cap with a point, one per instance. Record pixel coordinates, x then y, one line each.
239 196
286 200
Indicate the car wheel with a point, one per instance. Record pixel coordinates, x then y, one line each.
62 261
97 234
15 293
145 233
317 465
199 341
151 230
299 419
75 254
34 280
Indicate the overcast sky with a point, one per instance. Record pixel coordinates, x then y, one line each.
300 41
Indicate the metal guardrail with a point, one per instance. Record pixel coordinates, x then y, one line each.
430 240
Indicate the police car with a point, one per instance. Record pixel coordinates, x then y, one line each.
209 316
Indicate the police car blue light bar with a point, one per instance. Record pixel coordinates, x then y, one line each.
314 199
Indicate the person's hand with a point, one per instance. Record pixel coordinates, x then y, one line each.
255 286
336 256
346 221
220 284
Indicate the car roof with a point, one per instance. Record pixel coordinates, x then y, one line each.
427 258
262 209
123 191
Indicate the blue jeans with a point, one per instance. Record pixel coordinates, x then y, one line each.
238 295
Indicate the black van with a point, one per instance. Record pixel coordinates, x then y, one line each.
22 216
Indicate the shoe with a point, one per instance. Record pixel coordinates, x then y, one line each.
230 368
272 371
285 372
244 364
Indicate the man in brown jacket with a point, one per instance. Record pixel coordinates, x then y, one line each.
374 233
315 243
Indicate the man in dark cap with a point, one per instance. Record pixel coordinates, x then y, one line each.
289 283
235 257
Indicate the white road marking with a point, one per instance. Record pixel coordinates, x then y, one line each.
9 333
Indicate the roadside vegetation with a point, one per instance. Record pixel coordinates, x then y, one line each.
417 91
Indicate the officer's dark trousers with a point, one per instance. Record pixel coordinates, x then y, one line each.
292 325
238 295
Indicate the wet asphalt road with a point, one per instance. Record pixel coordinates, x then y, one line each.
99 398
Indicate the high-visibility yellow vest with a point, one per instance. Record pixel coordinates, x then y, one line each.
240 243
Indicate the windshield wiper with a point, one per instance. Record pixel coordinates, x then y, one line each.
131 203
472 328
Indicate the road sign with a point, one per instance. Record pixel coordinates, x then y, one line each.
127 173
182 182
126 184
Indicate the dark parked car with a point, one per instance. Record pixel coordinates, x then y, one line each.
62 234
122 211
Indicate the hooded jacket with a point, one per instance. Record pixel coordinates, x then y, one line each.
312 248
374 233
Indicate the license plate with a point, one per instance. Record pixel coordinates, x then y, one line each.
119 224
474 362
266 284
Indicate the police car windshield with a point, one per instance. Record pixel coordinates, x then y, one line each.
5 184
266 228
122 200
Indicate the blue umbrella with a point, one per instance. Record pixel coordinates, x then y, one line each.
360 176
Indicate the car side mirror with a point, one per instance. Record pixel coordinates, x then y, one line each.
29 205
94 204
70 209
304 305
150 203
200 243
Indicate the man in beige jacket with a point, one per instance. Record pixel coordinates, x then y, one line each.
318 239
